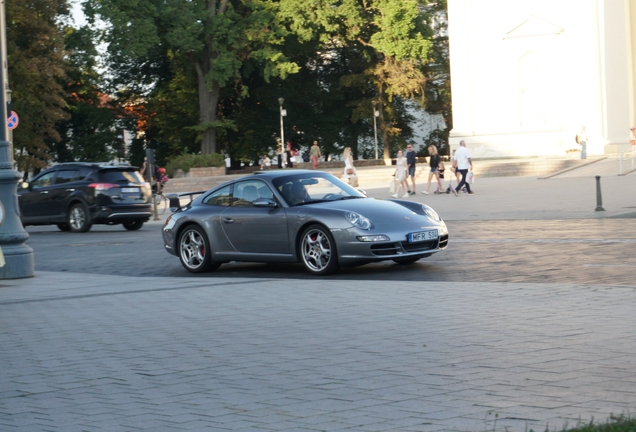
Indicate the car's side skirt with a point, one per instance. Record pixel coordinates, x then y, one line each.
253 257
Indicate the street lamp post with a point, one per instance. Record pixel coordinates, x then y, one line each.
17 255
283 113
376 113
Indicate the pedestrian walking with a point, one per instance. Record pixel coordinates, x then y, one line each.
279 156
289 152
400 175
434 161
581 138
350 172
410 163
314 154
463 163
632 135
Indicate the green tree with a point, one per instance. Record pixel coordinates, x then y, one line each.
93 130
35 51
398 40
216 36
385 44
437 71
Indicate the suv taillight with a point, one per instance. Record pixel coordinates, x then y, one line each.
103 186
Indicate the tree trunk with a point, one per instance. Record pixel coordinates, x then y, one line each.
208 105
381 124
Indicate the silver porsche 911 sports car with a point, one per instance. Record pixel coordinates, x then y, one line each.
303 216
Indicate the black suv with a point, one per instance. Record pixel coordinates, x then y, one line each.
77 195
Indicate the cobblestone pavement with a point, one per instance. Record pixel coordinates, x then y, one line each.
168 354
522 324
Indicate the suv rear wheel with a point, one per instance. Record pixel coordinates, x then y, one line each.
78 220
133 225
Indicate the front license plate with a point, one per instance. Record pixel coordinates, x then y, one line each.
423 236
134 190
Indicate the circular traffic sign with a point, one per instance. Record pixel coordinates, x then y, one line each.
13 121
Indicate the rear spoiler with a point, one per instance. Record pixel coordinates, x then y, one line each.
175 199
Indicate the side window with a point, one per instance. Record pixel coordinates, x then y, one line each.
66 176
44 181
83 172
245 193
219 198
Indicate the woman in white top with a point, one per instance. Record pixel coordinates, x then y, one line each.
349 169
400 175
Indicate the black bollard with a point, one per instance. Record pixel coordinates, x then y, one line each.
599 199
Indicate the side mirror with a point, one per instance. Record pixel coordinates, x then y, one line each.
264 202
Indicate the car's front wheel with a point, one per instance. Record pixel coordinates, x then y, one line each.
194 251
318 251
78 220
133 225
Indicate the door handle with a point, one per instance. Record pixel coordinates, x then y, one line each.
70 190
228 220
44 192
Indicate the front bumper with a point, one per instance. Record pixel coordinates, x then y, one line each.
351 251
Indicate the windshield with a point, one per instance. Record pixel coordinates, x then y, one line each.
308 188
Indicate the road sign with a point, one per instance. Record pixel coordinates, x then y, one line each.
13 121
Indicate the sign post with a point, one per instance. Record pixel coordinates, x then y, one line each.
13 121
17 255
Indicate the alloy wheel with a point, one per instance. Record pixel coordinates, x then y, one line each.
317 251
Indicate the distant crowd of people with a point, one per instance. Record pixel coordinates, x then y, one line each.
405 168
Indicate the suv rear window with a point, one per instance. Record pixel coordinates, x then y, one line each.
120 176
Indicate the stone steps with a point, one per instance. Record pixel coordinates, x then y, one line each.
382 174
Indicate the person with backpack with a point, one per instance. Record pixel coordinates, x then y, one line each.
161 180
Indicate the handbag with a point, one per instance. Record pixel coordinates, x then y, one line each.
470 178
393 187
353 180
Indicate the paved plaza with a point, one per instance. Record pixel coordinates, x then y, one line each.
86 352
113 353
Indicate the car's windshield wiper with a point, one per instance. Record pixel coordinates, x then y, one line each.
350 197
311 202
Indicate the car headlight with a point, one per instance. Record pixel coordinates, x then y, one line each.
431 213
358 221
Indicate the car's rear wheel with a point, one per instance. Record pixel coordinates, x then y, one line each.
64 227
78 219
318 251
133 225
406 261
194 251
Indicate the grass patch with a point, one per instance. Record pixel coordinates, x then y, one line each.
614 424
621 423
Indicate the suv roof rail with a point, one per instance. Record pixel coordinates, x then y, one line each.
114 163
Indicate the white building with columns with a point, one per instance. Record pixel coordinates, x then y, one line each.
527 74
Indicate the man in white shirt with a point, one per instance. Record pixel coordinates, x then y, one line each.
463 163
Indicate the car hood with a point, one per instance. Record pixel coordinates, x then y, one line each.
381 213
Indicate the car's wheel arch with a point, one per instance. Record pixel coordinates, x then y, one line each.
75 200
